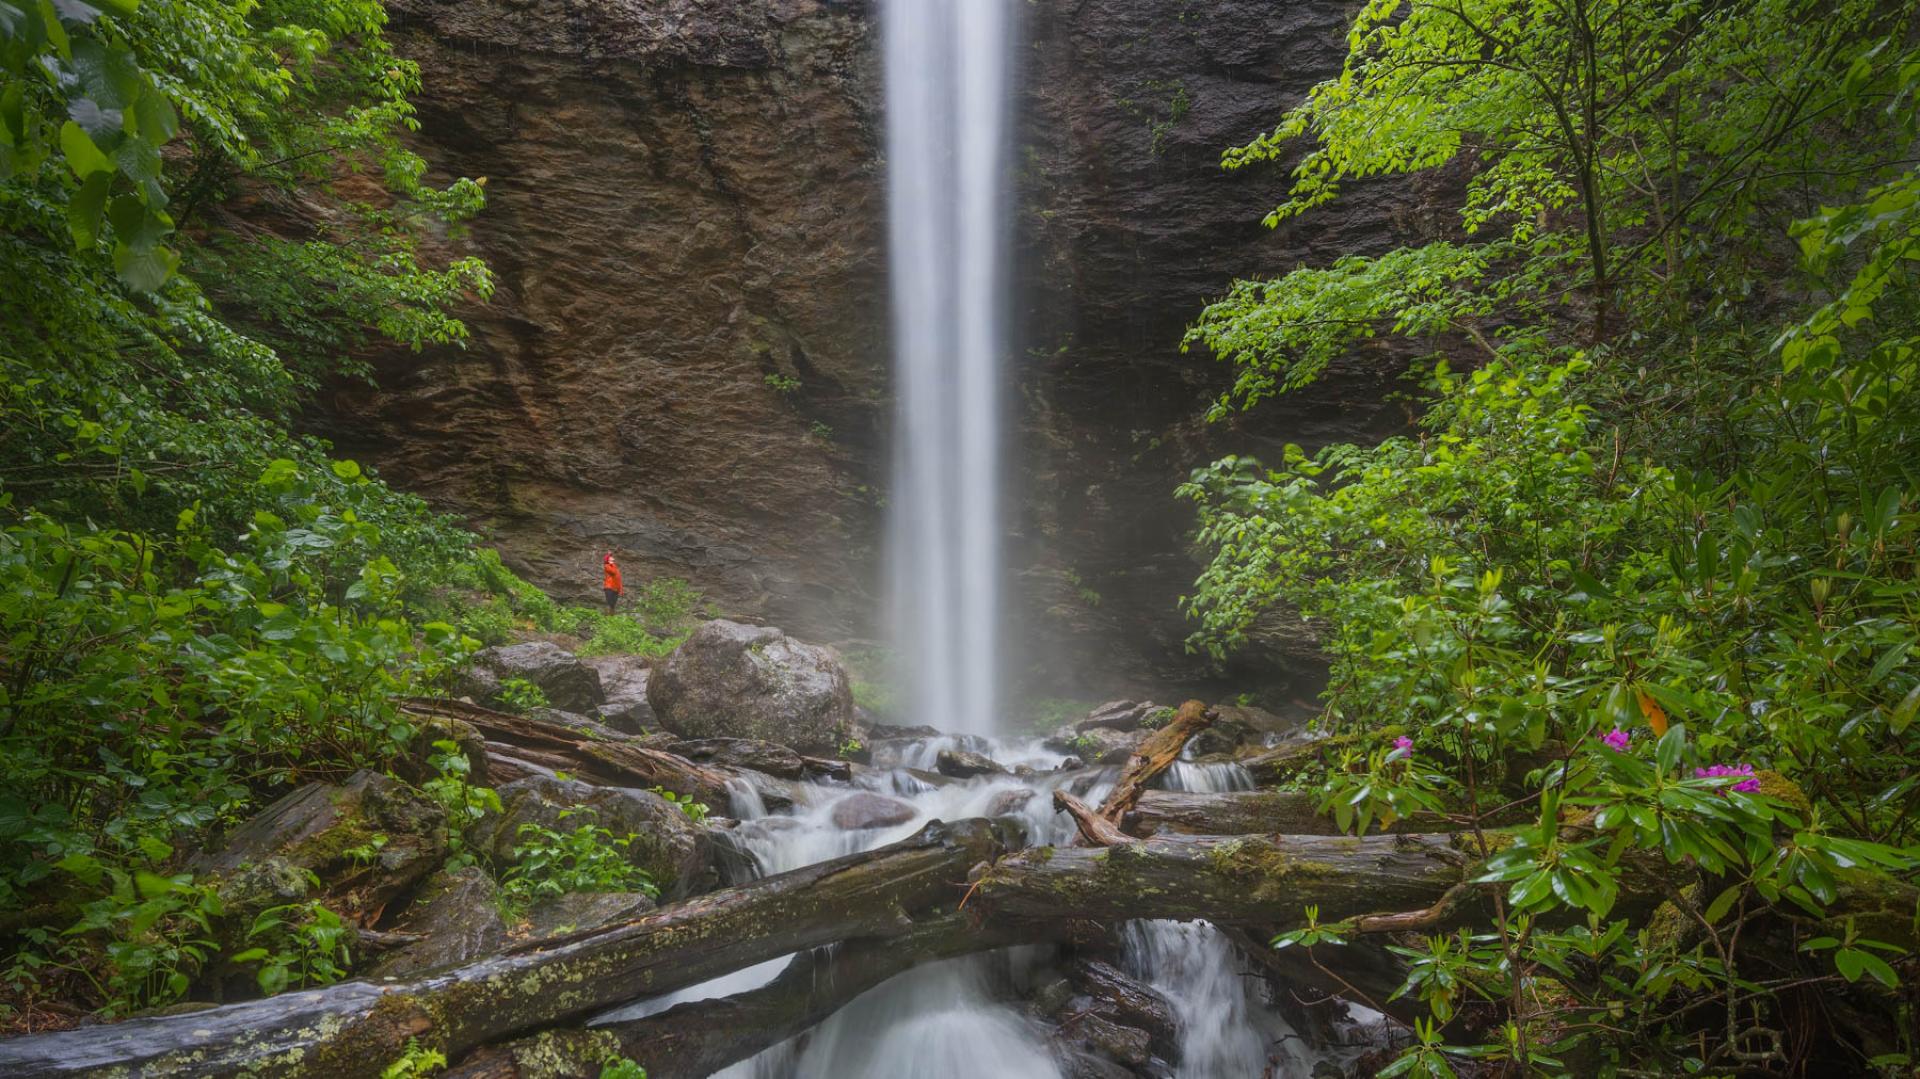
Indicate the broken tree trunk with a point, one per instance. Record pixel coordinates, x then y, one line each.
1154 756
357 1028
698 1038
1245 813
608 762
1095 830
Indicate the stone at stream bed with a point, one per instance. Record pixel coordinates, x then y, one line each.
766 757
665 843
459 916
960 764
624 680
730 680
1119 716
1128 1002
1012 800
368 841
568 684
861 811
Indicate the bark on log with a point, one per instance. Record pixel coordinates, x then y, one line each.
1095 830
357 1028
696 1039
607 762
1244 813
1154 756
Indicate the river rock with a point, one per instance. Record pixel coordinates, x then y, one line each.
1118 715
961 764
730 680
1128 1002
752 754
579 911
1012 800
1097 745
665 843
458 914
569 684
624 681
858 812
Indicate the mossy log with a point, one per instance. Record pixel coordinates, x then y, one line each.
1244 813
357 1028
696 1039
609 762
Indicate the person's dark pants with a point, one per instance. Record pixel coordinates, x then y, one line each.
612 599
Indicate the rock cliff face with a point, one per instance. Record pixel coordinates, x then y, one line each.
686 358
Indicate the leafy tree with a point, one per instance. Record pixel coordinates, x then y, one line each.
1641 584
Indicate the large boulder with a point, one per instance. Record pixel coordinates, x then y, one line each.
1097 745
862 811
665 843
624 680
569 684
457 915
730 680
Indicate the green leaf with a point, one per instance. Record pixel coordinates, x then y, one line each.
1722 903
144 271
1671 747
85 207
83 157
135 225
157 121
109 75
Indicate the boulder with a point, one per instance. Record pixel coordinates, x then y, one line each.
368 841
1008 801
579 911
569 684
858 812
624 681
961 764
1127 1002
1097 745
666 844
1119 716
458 914
730 680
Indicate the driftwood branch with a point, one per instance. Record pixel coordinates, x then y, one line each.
1155 755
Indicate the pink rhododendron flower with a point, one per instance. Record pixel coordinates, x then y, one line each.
1617 739
1745 786
1403 742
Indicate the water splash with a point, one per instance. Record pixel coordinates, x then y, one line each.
947 108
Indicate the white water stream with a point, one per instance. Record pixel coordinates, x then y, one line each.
947 76
946 1020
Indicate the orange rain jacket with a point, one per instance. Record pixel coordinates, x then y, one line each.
613 575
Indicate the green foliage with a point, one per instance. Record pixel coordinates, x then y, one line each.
415 1062
587 859
465 803
298 944
142 941
621 1068
1657 497
696 811
782 384
520 695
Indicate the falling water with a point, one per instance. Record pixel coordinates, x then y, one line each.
947 104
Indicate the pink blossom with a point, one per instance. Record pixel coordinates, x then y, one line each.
1617 739
1403 742
1746 786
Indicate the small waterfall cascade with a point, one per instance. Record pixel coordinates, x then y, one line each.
947 75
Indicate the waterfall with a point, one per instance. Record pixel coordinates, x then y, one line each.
946 64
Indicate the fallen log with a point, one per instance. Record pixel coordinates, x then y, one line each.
609 762
1245 813
1095 830
1154 756
698 1038
358 1028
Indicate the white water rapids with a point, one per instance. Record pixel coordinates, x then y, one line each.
950 1019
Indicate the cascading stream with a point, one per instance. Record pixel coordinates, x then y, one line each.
946 136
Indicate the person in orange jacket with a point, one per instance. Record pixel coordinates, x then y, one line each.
611 581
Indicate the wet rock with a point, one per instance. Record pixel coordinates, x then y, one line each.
1009 801
569 684
858 812
579 911
730 680
368 840
1119 716
879 731
733 860
1075 1064
1260 721
429 732
1121 1044
1128 1002
624 680
758 756
665 843
1098 745
459 915
961 764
